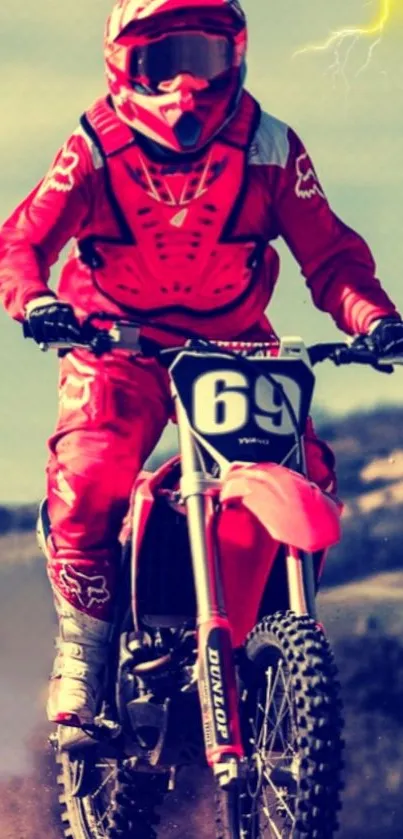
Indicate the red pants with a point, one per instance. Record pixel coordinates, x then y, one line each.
111 416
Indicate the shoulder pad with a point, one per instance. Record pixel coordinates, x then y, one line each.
105 129
97 159
270 145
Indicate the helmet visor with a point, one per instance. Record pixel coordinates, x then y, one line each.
202 56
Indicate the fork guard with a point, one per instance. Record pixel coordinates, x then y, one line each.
292 509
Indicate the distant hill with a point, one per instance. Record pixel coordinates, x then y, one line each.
369 452
360 438
18 519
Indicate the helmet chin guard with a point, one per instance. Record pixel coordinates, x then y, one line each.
175 68
188 130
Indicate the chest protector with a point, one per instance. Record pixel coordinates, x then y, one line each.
173 250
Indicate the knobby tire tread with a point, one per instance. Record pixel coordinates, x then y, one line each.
134 799
319 719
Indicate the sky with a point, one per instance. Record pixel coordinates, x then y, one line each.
347 110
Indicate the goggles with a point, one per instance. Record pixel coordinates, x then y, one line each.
198 54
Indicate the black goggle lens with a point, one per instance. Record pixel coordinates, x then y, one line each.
202 56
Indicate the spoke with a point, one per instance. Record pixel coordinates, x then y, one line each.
102 784
280 714
271 689
272 824
261 738
95 821
285 707
264 711
280 798
99 819
105 815
271 697
269 674
264 744
255 740
273 732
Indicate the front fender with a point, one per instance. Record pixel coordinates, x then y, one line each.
291 508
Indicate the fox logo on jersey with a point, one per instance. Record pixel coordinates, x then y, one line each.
307 180
61 177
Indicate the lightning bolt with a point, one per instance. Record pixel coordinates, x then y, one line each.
346 38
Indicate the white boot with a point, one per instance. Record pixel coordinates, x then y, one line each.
79 669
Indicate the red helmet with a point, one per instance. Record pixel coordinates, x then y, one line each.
175 68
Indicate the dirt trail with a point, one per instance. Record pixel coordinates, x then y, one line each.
28 805
27 793
28 802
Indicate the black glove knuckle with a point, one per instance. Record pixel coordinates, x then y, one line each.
54 322
388 337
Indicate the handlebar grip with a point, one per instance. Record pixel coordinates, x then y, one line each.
99 341
323 352
361 355
343 355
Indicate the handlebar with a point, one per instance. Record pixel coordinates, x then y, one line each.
343 354
125 335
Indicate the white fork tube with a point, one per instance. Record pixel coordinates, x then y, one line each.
193 492
301 582
216 672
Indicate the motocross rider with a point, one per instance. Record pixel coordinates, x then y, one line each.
171 188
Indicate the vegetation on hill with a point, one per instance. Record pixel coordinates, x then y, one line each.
369 451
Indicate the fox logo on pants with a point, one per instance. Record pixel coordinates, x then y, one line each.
87 590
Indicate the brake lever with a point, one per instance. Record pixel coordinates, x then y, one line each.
370 359
383 366
361 354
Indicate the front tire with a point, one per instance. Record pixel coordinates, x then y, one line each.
100 799
291 717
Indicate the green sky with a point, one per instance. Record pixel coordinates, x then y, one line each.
351 122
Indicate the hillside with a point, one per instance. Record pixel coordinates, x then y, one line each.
369 452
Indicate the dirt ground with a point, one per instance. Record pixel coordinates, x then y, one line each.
27 792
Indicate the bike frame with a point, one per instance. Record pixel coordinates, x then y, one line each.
216 674
202 495
217 679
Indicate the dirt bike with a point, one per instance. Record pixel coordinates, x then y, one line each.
265 715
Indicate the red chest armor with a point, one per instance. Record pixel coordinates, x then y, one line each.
174 251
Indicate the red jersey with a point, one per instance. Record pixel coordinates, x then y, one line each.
186 241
